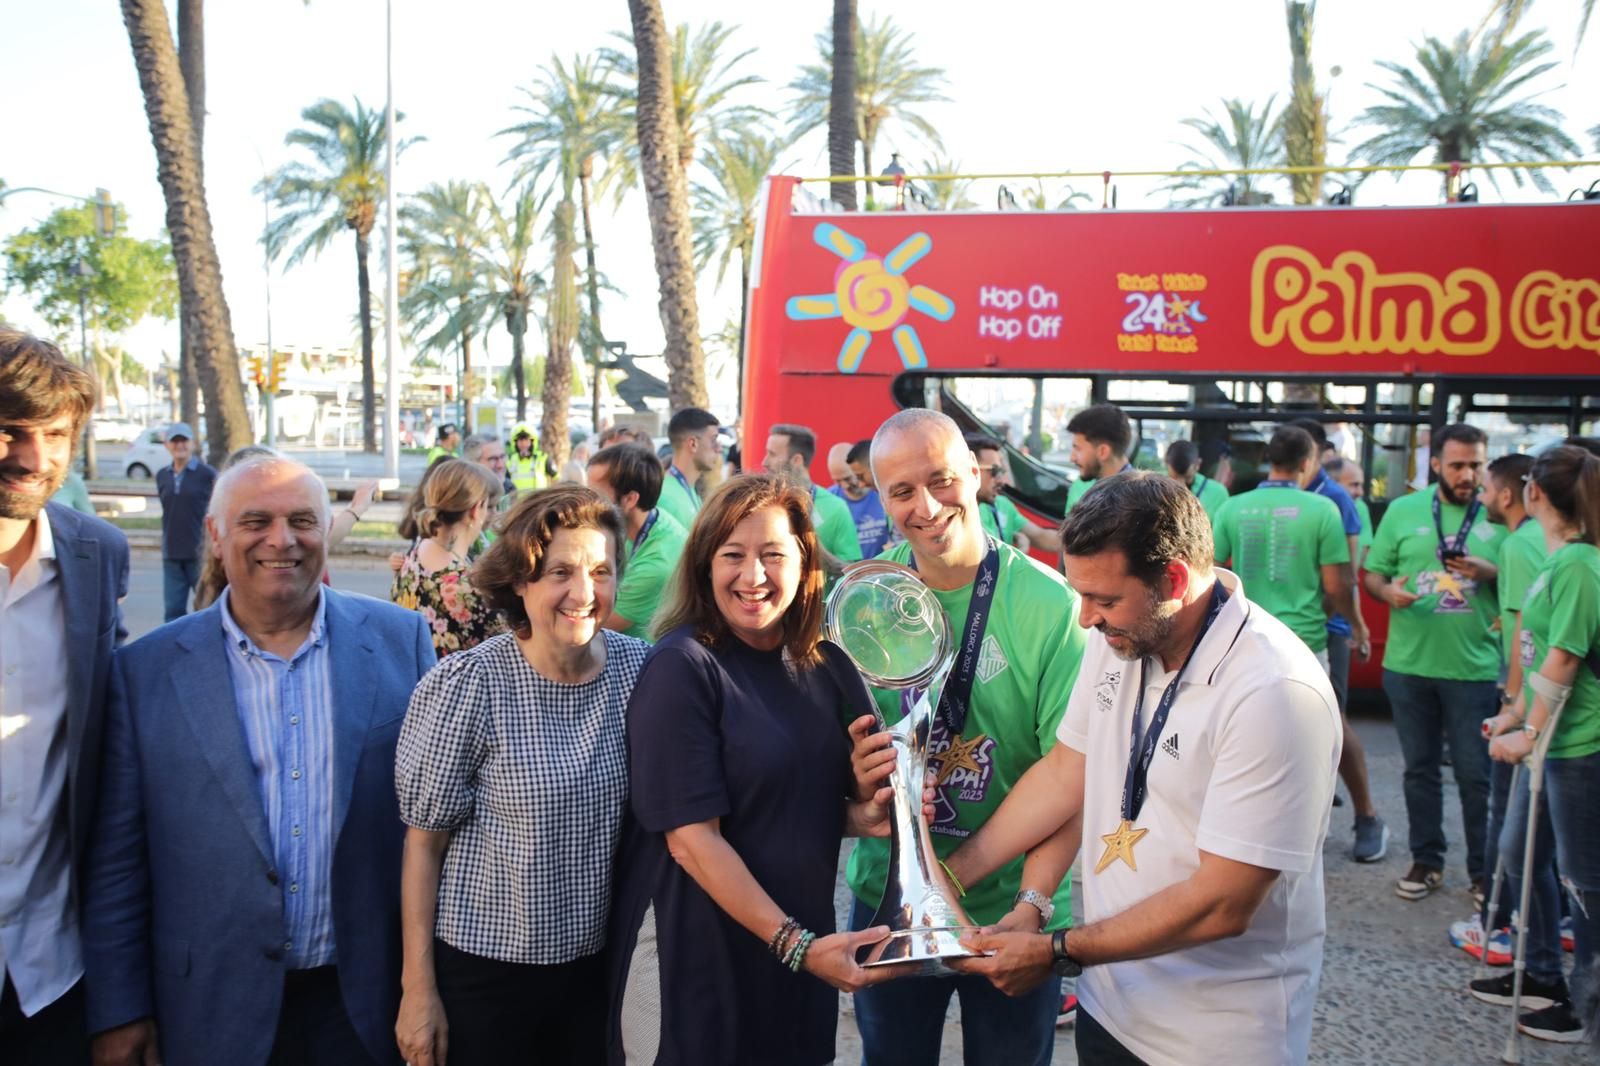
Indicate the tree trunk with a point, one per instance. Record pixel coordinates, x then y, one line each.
842 105
369 378
205 309
596 336
866 168
560 325
667 197
517 326
1305 133
466 375
192 58
744 316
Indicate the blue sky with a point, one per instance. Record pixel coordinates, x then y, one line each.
1033 86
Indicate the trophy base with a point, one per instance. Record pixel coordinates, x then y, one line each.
925 951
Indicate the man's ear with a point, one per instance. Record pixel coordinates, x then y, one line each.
1177 578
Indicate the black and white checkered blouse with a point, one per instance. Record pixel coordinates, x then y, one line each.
531 778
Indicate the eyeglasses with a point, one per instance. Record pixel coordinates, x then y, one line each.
994 471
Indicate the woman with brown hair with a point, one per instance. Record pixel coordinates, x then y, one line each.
458 501
739 798
512 778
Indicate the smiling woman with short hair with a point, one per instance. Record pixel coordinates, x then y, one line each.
512 778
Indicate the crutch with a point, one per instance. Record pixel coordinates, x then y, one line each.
1555 697
1499 880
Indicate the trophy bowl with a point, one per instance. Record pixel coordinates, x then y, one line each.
894 630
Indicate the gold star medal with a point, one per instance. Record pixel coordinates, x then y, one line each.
1119 845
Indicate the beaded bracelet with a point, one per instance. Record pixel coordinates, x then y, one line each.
780 938
794 947
798 954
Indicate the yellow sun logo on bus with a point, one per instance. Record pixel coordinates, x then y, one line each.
871 293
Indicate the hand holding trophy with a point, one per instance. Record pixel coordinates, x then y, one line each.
894 630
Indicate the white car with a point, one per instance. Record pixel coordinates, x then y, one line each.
147 453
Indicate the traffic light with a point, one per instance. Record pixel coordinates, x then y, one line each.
275 376
105 213
255 371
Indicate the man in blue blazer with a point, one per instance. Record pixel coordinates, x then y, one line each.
243 889
61 576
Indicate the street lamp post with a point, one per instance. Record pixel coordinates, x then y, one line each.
81 271
391 398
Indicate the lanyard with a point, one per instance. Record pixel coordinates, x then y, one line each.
994 512
644 530
1198 484
956 699
1459 544
675 472
1134 785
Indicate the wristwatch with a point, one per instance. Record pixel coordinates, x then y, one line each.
1061 963
1043 903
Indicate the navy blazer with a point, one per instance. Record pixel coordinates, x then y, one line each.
92 564
184 909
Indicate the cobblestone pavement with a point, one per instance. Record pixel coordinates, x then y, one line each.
1393 989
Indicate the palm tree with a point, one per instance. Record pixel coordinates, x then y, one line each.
442 236
1510 12
890 87
192 61
944 194
512 282
573 119
1465 104
725 208
1242 140
560 329
661 142
189 225
1305 119
340 189
842 106
704 87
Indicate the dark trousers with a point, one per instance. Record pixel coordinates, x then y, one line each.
901 1022
1426 710
178 579
54 1036
1099 1047
1339 668
313 1027
504 1013
1499 799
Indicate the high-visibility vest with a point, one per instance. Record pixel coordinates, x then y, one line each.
526 474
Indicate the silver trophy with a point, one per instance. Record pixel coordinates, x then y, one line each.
894 630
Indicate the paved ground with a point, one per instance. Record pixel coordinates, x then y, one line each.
1393 989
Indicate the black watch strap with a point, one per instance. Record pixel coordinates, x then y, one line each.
1062 963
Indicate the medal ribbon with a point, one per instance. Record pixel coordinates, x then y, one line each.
672 469
955 700
1459 542
644 530
1134 785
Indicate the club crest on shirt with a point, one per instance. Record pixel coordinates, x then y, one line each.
1105 693
964 767
991 660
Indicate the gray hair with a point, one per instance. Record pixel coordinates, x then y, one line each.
912 420
229 479
472 447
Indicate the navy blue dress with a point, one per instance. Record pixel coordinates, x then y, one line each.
737 734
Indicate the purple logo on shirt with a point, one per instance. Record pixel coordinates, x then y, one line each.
964 766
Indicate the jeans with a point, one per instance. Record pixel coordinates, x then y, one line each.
901 1021
504 1013
1099 1047
1572 787
1339 668
178 579
1543 953
313 1026
1499 797
1425 709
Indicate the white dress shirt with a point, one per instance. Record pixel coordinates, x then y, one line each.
40 949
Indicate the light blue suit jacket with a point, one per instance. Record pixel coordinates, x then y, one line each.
183 907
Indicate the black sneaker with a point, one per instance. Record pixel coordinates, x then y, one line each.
1555 1023
1536 994
1419 882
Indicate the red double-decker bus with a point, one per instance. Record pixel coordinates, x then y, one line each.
1209 325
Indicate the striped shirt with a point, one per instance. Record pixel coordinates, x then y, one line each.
286 709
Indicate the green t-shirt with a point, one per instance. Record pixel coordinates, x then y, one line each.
1447 633
836 526
1563 611
1364 540
1028 663
679 502
1279 538
1522 556
646 573
1010 519
1212 495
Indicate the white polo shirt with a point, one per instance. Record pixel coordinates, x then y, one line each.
1244 769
